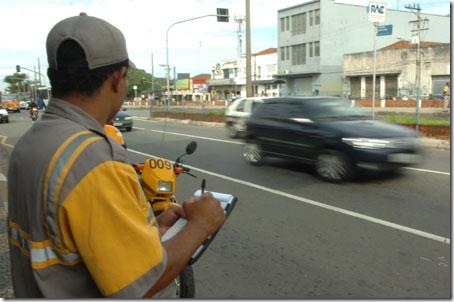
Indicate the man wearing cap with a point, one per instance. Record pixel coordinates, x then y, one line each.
81 227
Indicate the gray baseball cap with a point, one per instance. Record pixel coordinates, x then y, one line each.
103 43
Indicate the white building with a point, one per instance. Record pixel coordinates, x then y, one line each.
314 36
396 70
228 79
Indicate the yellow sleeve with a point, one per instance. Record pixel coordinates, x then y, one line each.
107 218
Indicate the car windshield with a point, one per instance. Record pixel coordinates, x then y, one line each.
335 109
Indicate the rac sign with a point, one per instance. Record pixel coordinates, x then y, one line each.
376 12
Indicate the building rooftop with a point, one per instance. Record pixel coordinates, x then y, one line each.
266 51
408 44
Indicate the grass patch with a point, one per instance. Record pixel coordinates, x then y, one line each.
410 119
193 110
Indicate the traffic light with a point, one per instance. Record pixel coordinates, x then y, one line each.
18 68
222 14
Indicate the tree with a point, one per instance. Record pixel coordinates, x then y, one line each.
18 82
142 80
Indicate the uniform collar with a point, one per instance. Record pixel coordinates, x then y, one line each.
74 113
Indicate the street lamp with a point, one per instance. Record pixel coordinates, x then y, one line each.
222 15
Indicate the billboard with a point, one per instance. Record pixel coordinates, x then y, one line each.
182 84
200 88
376 12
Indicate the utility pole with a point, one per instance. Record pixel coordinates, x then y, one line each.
152 86
39 72
36 88
248 50
375 70
239 20
418 25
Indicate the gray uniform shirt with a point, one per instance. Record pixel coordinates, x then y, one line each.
41 263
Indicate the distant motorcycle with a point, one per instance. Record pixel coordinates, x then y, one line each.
34 114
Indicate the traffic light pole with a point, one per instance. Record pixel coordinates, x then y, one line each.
167 44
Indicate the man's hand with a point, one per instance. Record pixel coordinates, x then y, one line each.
167 218
205 213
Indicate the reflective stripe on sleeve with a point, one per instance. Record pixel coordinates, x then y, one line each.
41 253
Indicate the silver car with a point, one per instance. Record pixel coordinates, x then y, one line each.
237 114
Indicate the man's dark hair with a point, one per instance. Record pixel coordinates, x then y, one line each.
73 75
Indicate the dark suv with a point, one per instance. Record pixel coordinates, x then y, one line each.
328 133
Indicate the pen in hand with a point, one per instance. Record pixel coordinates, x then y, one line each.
203 185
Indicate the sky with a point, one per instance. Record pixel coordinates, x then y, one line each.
194 46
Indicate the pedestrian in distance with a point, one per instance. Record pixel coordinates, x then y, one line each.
81 226
446 96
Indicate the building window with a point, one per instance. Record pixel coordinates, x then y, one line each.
317 16
226 73
317 49
311 48
311 18
299 54
285 53
285 24
299 24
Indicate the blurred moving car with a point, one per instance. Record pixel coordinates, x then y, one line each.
3 115
326 132
24 105
123 120
237 114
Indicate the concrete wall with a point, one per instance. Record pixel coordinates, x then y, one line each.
402 61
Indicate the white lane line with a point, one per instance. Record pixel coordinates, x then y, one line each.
241 143
195 136
138 128
429 171
321 205
2 177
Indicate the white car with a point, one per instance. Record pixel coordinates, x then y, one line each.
237 113
24 105
3 115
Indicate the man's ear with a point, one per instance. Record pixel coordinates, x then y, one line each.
116 77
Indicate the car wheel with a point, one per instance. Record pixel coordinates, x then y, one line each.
333 166
253 154
231 131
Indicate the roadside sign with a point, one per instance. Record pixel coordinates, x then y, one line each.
385 30
376 12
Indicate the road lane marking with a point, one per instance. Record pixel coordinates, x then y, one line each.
2 177
3 141
429 171
321 205
194 136
241 143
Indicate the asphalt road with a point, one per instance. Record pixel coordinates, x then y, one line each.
295 236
